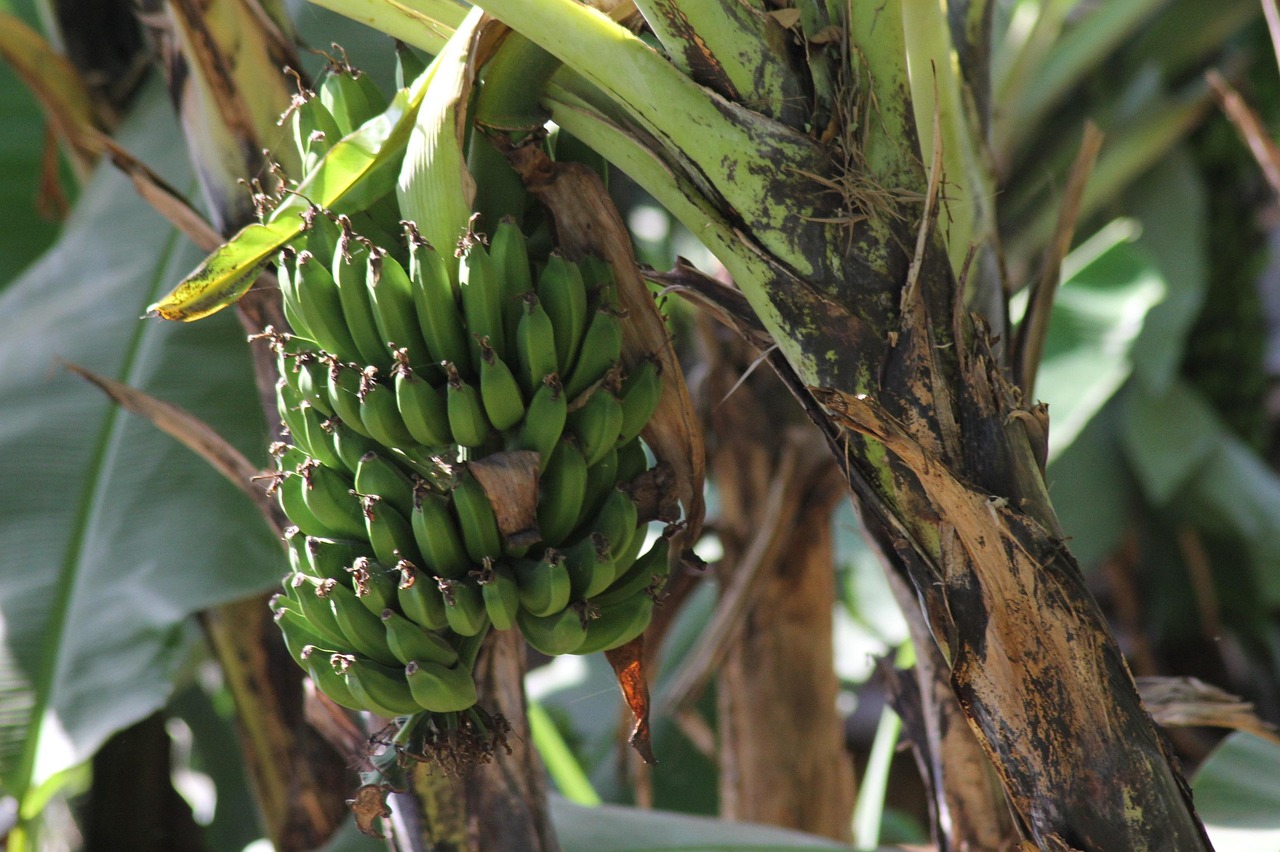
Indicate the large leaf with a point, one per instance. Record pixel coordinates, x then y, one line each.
1092 488
25 234
1109 286
1238 794
1169 437
1170 203
1185 455
610 828
112 534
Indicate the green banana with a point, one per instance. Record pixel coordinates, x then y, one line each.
544 419
602 478
500 592
350 263
363 629
329 497
309 377
510 255
390 535
439 539
419 597
601 348
381 689
329 558
502 397
298 632
312 598
543 584
319 666
597 273
321 307
440 688
373 584
597 423
408 65
286 268
436 301
295 544
376 476
617 521
314 128
344 395
391 296
422 407
559 633
640 394
481 297
564 296
379 413
648 573
476 518
379 222
560 489
590 565
318 442
464 607
617 624
632 460
468 422
290 490
350 96
322 233
349 446
535 344
291 417
409 642
626 557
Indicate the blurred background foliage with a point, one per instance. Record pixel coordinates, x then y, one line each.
1160 372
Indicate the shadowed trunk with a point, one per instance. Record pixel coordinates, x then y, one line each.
782 755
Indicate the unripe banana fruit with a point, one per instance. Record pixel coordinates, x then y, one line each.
410 364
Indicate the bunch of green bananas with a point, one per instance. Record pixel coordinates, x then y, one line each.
399 377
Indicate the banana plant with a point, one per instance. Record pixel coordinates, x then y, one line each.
839 163
855 262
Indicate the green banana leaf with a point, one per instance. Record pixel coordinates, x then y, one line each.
1238 794
611 828
1109 286
112 534
1182 451
25 233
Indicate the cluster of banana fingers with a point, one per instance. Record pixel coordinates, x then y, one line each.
406 369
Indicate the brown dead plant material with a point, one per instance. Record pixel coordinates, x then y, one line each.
1016 623
628 666
1190 702
510 481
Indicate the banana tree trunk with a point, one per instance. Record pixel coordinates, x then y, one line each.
782 754
852 261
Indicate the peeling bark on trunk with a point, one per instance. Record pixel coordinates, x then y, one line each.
782 755
967 807
943 455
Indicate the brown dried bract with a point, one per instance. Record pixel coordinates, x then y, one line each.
369 804
628 666
510 481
